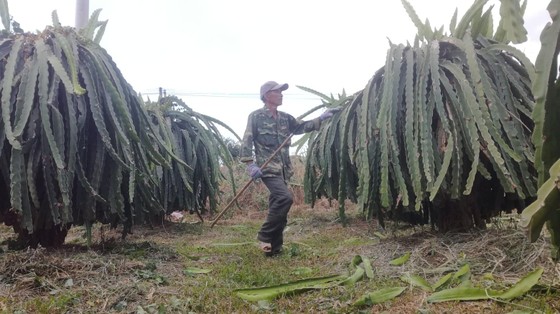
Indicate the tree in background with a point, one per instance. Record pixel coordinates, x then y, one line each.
196 141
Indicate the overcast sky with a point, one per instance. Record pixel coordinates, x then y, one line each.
215 54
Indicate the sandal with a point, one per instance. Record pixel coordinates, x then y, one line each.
265 247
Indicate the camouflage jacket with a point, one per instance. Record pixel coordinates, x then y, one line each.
265 134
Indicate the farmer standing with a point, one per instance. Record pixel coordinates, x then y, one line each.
266 129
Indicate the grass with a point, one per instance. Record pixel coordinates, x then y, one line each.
188 267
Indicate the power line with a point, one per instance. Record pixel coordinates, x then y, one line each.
226 95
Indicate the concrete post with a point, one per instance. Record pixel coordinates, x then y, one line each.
82 13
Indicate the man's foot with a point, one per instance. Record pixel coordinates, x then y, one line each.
274 252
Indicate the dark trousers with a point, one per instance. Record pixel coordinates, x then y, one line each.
279 202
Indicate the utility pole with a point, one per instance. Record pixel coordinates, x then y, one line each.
82 13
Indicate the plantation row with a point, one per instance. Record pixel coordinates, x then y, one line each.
450 131
79 146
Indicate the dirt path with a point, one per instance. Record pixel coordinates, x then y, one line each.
188 267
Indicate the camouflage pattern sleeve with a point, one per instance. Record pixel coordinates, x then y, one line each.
246 154
300 127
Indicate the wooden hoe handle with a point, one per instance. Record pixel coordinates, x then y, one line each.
250 181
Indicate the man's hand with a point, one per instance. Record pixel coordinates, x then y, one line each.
329 113
254 171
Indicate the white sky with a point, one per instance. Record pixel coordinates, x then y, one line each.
215 54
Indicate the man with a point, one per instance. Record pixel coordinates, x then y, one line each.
267 128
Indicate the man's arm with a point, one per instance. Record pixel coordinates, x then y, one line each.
246 155
300 127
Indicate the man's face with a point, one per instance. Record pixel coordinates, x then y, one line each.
274 97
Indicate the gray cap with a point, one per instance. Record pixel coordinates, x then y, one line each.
271 85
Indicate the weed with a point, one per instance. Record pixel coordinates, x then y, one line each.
53 304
